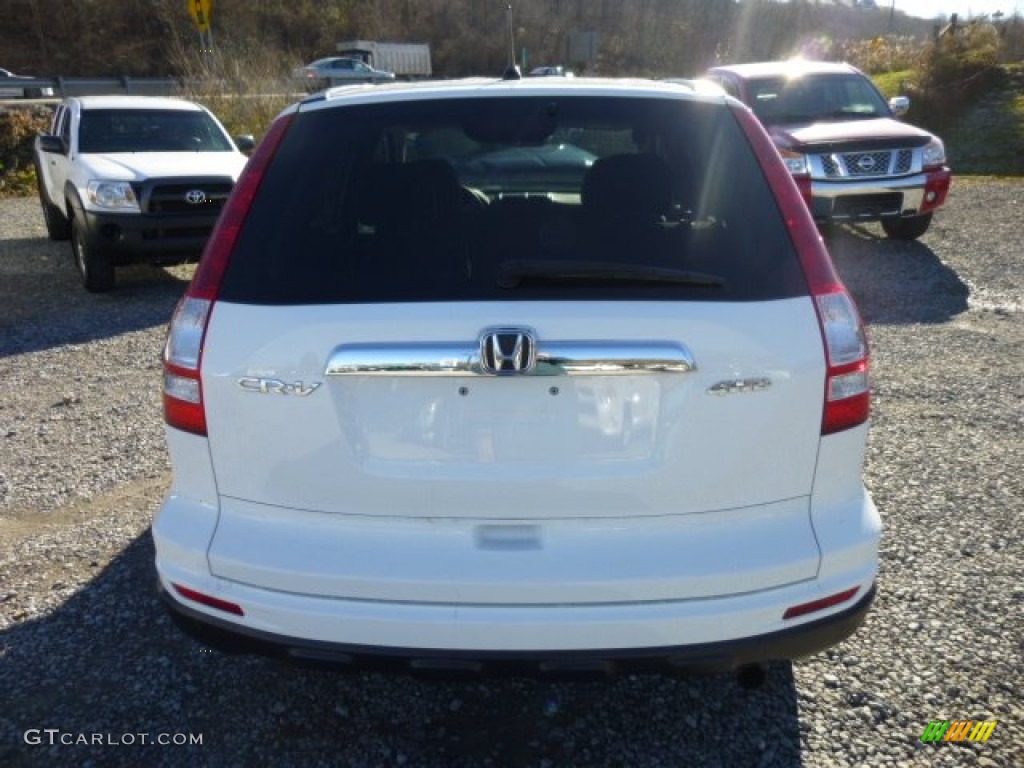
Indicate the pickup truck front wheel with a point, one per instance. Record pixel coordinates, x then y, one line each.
94 264
909 228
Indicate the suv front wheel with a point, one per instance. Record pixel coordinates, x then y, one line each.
909 228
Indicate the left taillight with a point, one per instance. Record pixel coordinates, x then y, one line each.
183 352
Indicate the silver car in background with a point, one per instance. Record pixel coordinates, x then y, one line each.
339 70
13 87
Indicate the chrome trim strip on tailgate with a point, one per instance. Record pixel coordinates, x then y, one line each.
569 358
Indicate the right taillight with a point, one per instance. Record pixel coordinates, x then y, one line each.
847 388
183 352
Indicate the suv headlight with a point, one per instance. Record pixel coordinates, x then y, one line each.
114 195
933 154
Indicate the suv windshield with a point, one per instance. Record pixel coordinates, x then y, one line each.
564 197
815 98
150 130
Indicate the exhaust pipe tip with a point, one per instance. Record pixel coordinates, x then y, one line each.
751 676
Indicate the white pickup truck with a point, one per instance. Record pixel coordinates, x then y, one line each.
130 178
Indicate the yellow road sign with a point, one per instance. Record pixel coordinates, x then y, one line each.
200 11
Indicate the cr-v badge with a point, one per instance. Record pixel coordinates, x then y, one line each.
277 387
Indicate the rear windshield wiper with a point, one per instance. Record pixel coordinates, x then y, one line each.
515 271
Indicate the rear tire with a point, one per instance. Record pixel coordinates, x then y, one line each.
94 264
909 228
57 225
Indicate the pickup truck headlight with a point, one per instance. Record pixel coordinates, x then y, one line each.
114 195
934 154
796 162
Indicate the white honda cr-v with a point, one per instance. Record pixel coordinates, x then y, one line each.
544 373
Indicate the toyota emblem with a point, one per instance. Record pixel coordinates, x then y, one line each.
195 197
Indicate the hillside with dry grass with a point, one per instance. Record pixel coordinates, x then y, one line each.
964 80
468 37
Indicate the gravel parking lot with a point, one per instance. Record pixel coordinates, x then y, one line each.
93 673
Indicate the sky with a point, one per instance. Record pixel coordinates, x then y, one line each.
929 9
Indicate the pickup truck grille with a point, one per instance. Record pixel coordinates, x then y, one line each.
844 165
176 198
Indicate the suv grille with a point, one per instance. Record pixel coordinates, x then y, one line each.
863 164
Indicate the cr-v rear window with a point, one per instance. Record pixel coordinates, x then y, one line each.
514 198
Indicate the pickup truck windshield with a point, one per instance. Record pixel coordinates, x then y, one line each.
149 130
815 98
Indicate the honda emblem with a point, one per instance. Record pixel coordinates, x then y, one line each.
506 351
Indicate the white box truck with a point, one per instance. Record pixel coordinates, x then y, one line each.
407 60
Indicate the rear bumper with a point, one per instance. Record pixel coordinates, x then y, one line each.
871 200
790 643
479 622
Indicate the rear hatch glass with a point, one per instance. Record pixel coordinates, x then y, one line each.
528 198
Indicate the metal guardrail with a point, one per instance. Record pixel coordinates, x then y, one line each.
137 86
97 86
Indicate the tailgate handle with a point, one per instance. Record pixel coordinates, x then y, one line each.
560 358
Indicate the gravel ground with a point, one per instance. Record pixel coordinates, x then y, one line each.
86 649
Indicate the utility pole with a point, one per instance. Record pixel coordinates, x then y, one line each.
512 72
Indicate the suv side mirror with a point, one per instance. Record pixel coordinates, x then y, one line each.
899 105
246 143
50 143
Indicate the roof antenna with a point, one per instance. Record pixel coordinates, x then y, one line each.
511 71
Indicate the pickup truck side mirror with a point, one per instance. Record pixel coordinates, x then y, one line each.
50 143
899 105
246 143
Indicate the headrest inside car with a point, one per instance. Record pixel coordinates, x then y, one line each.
635 186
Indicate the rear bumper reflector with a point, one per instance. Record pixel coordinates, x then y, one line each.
819 605
208 600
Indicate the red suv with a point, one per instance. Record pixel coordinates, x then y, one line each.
850 156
